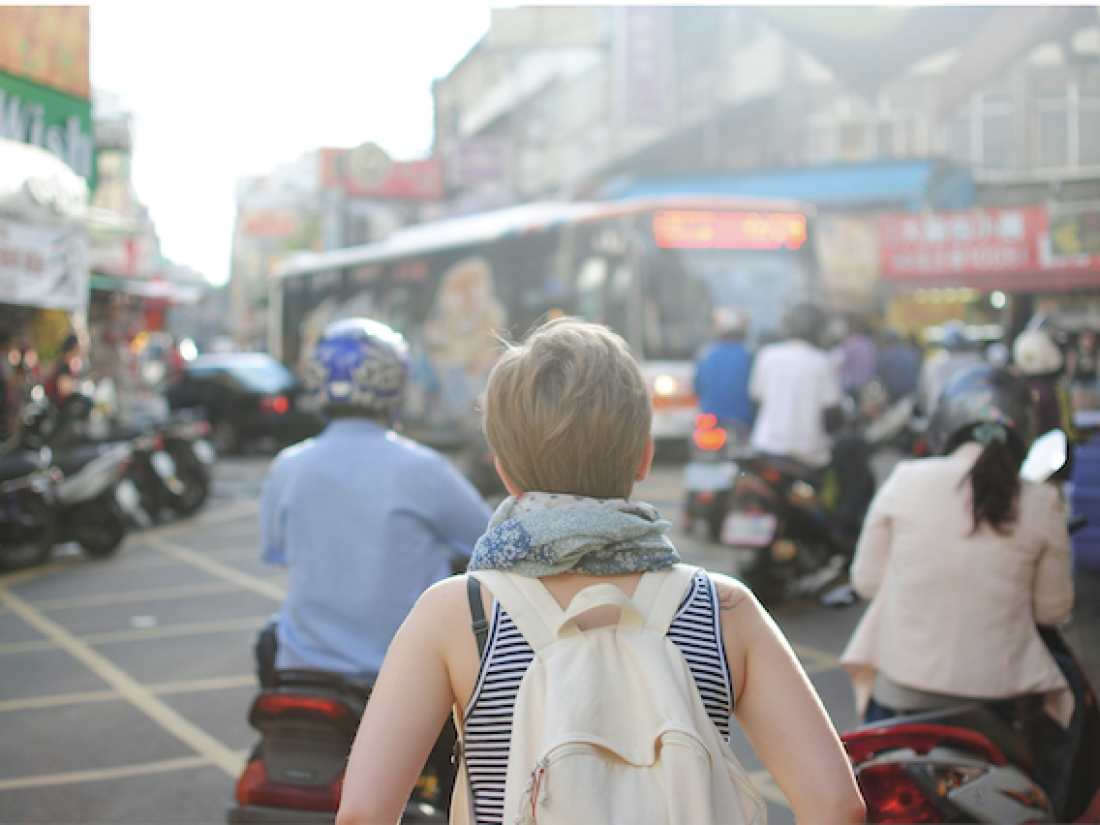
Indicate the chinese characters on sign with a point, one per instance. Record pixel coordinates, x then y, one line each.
973 242
43 266
683 229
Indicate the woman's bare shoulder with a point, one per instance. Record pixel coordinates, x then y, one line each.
731 592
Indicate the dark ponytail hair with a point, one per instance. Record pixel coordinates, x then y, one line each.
994 482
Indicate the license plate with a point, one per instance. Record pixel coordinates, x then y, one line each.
204 451
164 465
709 478
749 529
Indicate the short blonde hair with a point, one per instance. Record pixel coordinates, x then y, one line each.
567 411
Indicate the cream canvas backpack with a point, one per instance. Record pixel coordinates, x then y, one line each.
609 726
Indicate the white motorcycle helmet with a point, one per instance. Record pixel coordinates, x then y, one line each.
729 321
1035 353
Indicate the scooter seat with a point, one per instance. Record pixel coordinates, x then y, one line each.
18 465
77 457
794 469
977 718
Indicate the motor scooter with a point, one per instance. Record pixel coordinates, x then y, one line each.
307 720
780 517
28 502
95 502
187 441
966 763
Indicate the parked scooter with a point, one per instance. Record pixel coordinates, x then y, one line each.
307 721
28 502
968 764
95 502
187 442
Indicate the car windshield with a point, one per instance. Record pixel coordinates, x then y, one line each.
262 376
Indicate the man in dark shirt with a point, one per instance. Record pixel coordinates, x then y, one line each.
898 366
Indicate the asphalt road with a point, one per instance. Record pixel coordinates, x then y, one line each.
125 683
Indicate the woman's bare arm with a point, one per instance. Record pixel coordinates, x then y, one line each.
781 714
406 712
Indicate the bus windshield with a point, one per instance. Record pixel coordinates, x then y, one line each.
684 286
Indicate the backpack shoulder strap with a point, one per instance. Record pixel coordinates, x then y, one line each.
477 613
660 593
527 602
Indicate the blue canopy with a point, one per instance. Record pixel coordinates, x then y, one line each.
902 186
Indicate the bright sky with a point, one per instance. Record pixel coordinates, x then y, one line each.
227 89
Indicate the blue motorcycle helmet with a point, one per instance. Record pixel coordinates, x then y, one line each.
359 368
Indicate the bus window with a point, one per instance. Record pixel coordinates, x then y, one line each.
684 286
591 279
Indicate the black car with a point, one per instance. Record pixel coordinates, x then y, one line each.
249 398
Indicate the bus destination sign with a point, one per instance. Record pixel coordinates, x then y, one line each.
699 229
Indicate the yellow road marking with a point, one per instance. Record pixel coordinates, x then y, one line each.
129 688
101 774
205 519
162 689
59 700
133 596
165 632
198 685
766 787
814 660
26 647
173 630
215 568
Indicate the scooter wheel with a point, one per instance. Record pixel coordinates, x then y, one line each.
99 530
28 542
196 488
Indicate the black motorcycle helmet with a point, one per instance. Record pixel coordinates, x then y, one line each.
805 322
983 395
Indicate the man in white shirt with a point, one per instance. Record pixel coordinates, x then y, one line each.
794 383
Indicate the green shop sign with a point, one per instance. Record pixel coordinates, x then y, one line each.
59 123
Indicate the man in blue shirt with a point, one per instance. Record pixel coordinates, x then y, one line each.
364 519
898 366
722 377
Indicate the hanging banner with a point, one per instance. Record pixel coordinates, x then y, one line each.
43 266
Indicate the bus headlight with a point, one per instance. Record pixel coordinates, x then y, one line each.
665 385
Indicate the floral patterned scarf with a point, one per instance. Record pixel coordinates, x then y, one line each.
540 534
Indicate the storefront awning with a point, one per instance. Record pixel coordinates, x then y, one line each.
39 188
905 186
165 291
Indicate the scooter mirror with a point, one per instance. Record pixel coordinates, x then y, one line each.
1046 457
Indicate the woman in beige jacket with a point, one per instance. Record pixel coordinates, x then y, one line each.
961 559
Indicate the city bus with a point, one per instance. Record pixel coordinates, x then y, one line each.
652 269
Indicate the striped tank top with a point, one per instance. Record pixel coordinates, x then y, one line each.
696 631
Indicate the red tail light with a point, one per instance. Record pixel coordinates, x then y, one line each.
276 704
705 497
274 403
710 439
862 744
706 421
892 795
256 788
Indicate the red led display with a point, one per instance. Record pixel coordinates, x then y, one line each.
698 229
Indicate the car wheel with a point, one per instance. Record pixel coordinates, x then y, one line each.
225 438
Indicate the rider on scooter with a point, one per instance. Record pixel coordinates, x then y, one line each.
364 519
961 559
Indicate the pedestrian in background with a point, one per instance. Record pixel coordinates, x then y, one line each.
898 365
722 377
62 378
957 354
857 357
1083 375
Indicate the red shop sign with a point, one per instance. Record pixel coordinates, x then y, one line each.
969 242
